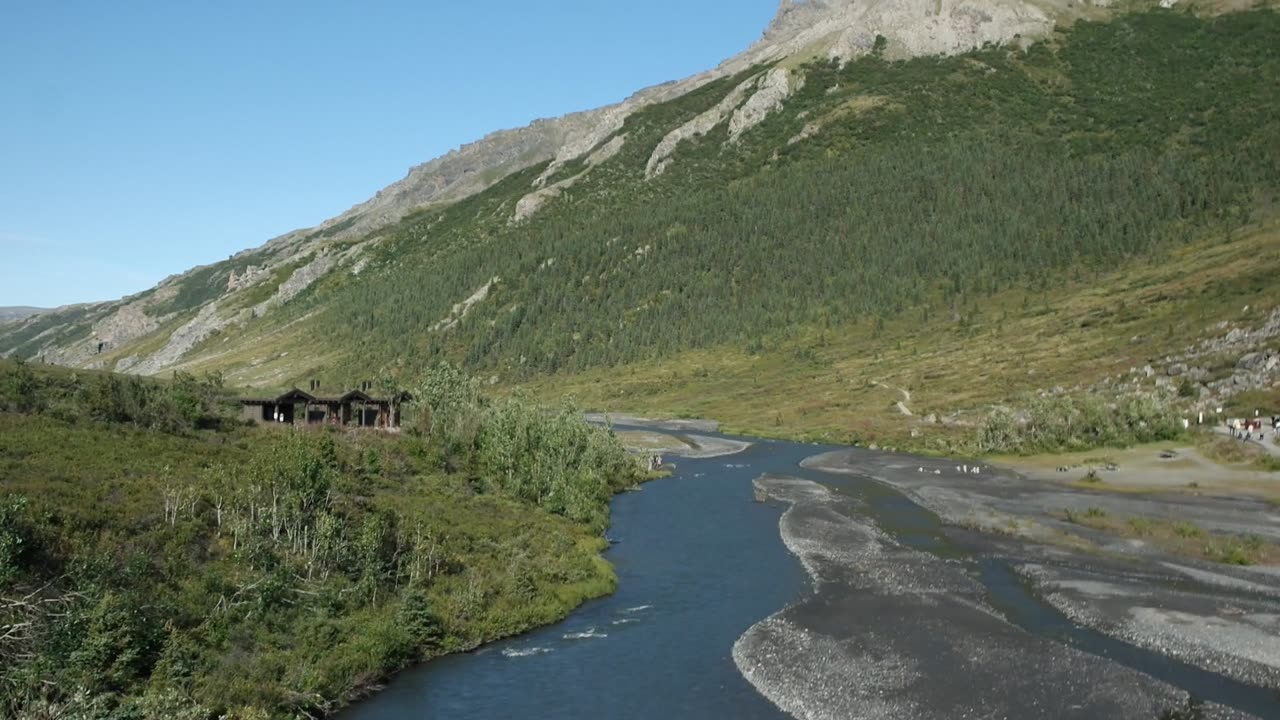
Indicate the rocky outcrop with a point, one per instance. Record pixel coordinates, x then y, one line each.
607 151
700 125
460 310
844 29
251 275
1238 360
213 317
534 201
775 87
302 278
205 323
1238 339
530 204
1257 364
125 325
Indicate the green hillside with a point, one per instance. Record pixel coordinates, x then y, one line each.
845 386
882 194
932 184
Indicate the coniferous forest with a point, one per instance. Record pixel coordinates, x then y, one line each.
930 183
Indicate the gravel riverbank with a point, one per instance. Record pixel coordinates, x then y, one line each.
892 632
1222 618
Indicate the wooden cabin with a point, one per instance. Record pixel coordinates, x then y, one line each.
354 409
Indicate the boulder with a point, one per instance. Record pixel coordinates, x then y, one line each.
1251 361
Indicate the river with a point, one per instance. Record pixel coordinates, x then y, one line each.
699 563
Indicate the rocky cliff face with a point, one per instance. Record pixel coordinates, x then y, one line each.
846 28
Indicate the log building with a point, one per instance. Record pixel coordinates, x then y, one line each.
354 409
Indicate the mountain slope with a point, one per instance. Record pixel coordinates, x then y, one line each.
755 204
1181 326
197 304
13 314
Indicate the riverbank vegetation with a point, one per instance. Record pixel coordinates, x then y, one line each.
1180 537
206 569
1067 423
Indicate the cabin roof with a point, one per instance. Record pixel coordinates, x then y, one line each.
296 396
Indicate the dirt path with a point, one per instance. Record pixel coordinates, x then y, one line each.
901 405
1268 441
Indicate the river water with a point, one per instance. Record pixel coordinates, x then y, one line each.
699 562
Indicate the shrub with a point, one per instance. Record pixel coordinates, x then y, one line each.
1071 423
1187 530
18 388
545 456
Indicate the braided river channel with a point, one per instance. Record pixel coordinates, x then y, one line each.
871 608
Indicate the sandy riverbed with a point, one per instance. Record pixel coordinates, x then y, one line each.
682 445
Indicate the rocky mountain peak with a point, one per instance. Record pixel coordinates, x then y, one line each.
796 15
847 28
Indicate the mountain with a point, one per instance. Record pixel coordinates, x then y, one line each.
188 308
13 314
862 164
802 29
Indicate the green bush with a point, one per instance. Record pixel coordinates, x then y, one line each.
544 456
1057 423
18 388
181 405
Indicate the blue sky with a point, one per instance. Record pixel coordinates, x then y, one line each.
138 139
